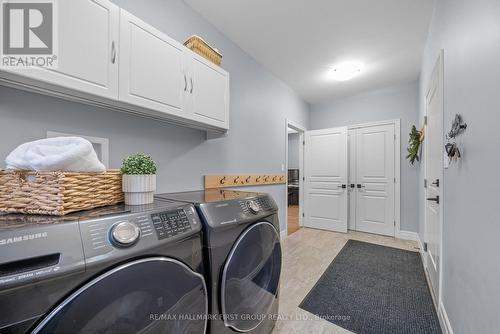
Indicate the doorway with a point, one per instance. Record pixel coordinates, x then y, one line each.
295 169
434 155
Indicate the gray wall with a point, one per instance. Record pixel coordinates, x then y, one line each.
469 33
293 150
389 103
259 106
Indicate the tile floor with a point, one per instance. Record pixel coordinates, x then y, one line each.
306 254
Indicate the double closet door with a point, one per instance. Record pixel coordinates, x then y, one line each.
350 179
372 179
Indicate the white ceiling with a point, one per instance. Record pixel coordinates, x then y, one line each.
299 40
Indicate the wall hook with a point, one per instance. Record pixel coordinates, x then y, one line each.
239 180
458 126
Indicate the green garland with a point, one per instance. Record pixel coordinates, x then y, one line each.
413 145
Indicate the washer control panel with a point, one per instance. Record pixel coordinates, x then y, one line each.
130 233
257 204
170 223
224 213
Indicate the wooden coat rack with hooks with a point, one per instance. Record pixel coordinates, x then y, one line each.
243 180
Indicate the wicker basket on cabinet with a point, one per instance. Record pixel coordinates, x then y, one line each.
198 45
58 193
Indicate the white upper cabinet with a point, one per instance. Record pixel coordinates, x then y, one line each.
87 49
108 57
209 87
151 67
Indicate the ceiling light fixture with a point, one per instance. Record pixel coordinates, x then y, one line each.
345 71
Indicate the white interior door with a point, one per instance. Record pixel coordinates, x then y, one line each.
375 182
351 139
434 174
326 179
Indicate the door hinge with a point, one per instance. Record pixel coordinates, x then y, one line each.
394 223
394 136
303 214
394 180
425 120
303 178
425 183
425 246
304 143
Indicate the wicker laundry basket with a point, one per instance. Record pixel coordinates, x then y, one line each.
58 193
198 45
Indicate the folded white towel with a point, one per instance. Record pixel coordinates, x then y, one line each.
69 154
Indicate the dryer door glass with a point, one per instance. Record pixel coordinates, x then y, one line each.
154 295
250 278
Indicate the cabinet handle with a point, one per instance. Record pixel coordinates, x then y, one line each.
185 83
113 52
192 85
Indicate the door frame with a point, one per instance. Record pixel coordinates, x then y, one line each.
397 166
439 65
301 130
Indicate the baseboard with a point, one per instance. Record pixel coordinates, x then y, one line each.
407 235
283 235
422 251
442 315
445 321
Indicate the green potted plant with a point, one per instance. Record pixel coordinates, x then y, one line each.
138 179
414 145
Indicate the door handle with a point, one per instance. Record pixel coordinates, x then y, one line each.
113 52
436 183
434 199
192 85
185 83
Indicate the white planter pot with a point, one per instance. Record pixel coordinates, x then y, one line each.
138 189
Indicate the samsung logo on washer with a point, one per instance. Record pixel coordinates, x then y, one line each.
26 237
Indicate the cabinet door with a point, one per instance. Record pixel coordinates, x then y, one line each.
151 67
210 92
87 59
